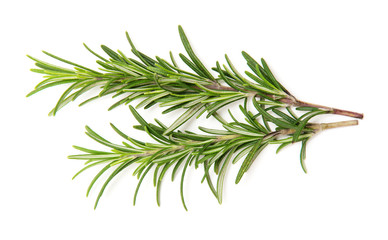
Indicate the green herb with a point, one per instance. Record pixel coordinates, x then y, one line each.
213 148
159 81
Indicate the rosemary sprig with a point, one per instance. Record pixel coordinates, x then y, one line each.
158 81
213 149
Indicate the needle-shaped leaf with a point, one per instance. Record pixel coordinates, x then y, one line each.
111 176
192 55
184 118
303 124
182 181
140 182
221 175
71 63
279 122
111 53
303 154
252 155
208 179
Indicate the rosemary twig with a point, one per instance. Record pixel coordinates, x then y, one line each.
158 81
214 149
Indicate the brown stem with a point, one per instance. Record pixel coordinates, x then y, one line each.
332 110
216 86
292 101
297 103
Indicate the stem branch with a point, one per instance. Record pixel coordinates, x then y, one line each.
332 110
319 127
324 126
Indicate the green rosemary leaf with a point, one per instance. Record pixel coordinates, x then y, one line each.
180 101
291 112
192 55
61 102
213 108
145 59
250 119
48 66
182 180
208 179
86 150
161 175
94 53
113 106
281 146
103 141
156 173
271 76
87 101
192 65
139 183
220 154
183 118
308 109
149 60
168 157
125 69
171 109
173 61
128 61
96 177
238 75
199 153
221 175
111 53
284 116
276 121
303 124
164 64
225 78
303 154
241 131
261 81
111 176
243 152
252 63
146 125
87 167
176 167
150 100
144 162
252 155
214 131
71 63
245 126
50 85
94 156
196 101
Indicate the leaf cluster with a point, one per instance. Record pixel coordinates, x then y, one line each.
156 81
159 81
213 148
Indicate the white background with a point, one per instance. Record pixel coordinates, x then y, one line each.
332 53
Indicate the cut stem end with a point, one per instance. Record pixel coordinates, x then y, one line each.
332 110
324 126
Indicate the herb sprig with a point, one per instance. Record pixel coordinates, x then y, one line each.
158 81
212 149
154 81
